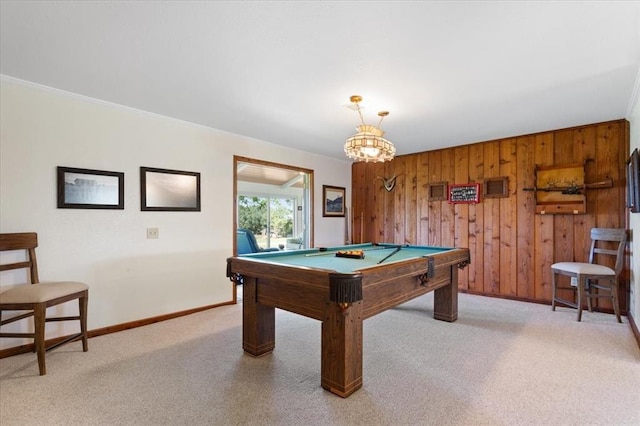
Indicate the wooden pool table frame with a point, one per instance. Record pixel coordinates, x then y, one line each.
307 291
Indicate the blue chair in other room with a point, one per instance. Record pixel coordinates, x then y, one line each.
246 243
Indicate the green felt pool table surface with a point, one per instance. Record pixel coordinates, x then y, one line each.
373 254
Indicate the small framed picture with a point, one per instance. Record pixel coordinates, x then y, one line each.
169 190
465 193
333 204
90 189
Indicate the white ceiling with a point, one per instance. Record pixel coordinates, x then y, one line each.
450 73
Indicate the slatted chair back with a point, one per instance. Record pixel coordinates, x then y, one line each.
608 235
21 241
34 297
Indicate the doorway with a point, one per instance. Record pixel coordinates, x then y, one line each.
275 202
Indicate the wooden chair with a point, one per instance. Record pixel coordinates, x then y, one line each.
37 297
592 278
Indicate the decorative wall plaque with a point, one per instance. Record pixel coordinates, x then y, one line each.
497 187
437 191
468 193
560 189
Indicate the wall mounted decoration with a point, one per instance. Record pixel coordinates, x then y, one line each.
437 191
561 189
633 182
333 201
497 187
466 193
389 183
90 189
169 190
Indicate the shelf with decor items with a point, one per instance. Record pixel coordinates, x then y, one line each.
561 189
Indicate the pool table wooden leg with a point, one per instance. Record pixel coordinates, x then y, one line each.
341 364
445 299
258 321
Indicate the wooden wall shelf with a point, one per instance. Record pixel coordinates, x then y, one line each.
560 189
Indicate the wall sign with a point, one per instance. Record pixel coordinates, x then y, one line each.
468 193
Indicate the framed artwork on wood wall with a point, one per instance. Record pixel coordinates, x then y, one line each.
169 190
633 182
437 191
90 189
496 187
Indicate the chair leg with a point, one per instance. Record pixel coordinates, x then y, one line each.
587 291
82 306
39 315
614 299
553 290
580 290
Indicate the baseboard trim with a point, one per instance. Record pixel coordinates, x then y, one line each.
16 350
502 296
528 300
634 328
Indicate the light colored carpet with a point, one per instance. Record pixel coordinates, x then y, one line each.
502 363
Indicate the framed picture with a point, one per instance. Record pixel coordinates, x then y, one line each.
437 191
333 201
90 189
633 182
465 193
169 190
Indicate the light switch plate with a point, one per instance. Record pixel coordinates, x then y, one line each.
153 233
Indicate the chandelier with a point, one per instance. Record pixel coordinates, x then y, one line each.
368 144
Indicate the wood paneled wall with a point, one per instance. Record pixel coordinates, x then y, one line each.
512 248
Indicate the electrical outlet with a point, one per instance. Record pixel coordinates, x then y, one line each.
574 280
153 233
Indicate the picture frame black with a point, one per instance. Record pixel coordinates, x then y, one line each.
333 201
169 190
633 182
79 188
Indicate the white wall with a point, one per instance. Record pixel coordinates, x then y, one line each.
130 277
634 221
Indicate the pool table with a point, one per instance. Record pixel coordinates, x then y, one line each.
341 292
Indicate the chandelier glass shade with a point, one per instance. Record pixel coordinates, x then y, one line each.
368 144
